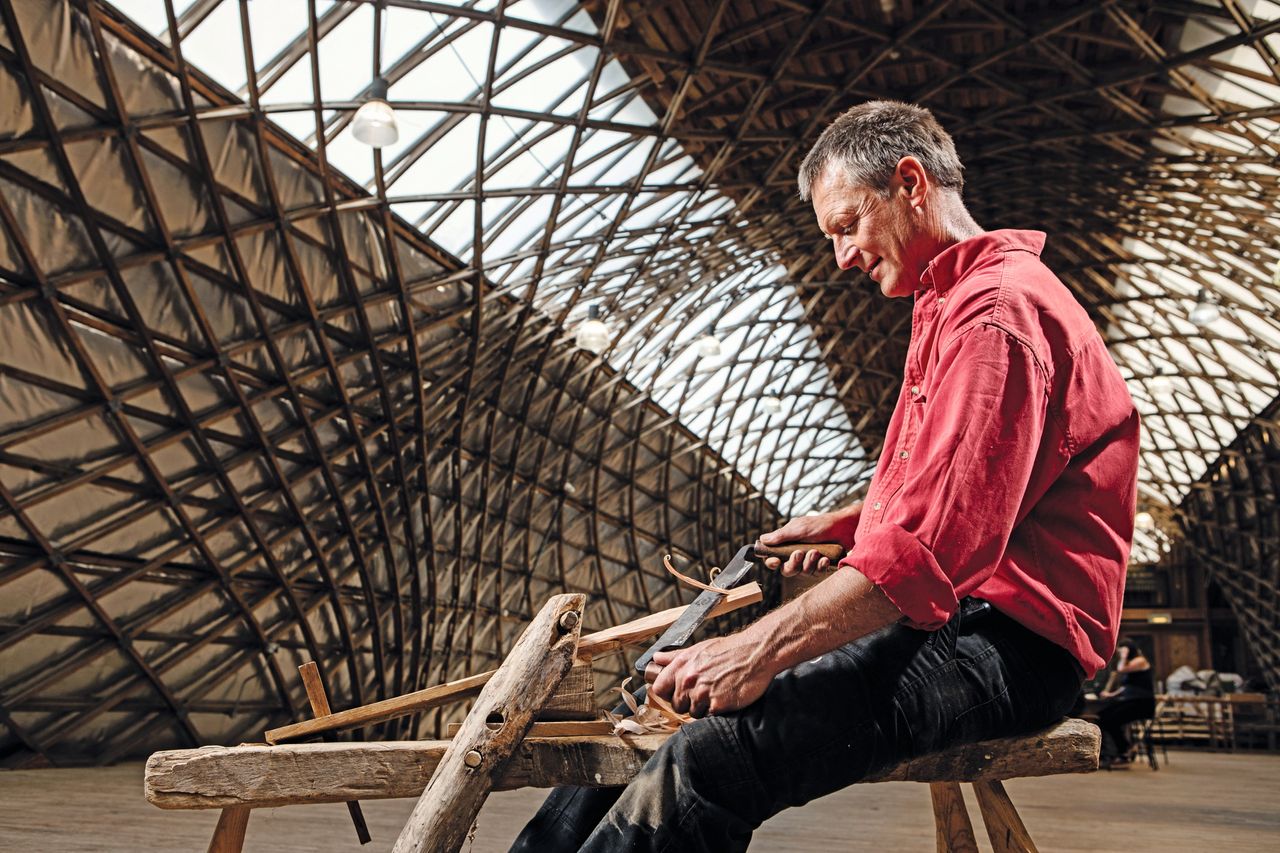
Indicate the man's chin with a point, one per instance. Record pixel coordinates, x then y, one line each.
889 287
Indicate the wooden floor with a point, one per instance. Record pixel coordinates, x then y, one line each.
1199 802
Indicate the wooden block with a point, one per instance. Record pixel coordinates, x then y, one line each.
597 644
476 758
1004 826
259 775
575 696
951 819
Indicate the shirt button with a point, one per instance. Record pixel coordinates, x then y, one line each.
876 505
902 455
915 390
942 300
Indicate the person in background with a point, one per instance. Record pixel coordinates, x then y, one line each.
1134 698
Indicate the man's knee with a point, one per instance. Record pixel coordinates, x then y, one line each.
699 762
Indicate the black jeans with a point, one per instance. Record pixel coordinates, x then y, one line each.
820 726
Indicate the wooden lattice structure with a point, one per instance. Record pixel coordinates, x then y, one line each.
269 395
1233 528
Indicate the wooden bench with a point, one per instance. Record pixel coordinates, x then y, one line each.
500 746
262 776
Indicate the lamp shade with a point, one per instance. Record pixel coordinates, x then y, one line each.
593 334
1205 311
375 121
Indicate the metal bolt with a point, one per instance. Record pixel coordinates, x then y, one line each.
472 758
568 621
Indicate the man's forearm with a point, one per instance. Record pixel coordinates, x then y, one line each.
841 609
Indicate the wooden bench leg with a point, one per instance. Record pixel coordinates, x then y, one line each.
1004 827
228 836
951 819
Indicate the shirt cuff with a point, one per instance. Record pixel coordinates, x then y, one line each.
906 573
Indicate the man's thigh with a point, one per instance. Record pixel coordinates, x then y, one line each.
820 726
894 694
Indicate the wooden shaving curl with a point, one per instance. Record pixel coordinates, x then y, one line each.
693 582
655 716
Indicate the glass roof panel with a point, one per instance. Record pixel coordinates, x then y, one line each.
591 202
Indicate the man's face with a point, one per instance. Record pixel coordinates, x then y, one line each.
871 232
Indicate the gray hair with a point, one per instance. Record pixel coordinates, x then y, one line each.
868 140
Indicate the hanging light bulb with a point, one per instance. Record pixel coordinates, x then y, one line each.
593 334
1144 521
1161 385
375 121
1206 310
708 346
771 403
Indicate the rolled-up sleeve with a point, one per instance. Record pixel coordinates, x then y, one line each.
981 432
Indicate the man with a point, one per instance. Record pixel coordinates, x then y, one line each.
986 566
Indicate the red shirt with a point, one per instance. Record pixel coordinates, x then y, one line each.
1010 466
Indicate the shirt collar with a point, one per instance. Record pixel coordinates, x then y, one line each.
952 263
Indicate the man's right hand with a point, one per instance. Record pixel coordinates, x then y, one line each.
836 526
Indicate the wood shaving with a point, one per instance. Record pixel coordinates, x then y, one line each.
693 582
655 716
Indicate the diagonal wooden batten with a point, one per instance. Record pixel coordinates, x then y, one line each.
595 645
260 776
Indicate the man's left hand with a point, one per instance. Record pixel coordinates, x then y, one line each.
715 676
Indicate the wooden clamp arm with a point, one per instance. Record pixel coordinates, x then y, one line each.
477 756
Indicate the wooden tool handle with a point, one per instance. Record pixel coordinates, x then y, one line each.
831 550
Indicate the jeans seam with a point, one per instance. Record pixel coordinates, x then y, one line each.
680 835
932 675
1002 694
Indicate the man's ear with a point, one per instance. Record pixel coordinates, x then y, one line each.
913 180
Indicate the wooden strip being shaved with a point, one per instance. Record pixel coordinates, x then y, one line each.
260 775
559 728
638 630
597 644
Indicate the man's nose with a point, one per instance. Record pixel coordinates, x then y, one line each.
846 253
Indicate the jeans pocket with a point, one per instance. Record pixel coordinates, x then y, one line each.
977 722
